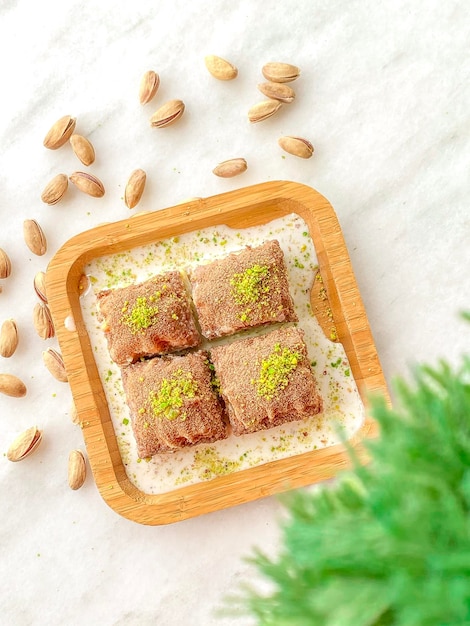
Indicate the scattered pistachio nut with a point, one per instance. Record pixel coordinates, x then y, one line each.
135 188
42 320
40 286
25 444
59 132
230 168
280 72
167 114
83 149
88 183
277 91
262 110
12 386
8 338
220 68
5 264
149 85
55 189
76 469
34 237
296 146
55 364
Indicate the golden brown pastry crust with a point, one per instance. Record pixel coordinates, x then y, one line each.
172 328
238 365
198 418
224 310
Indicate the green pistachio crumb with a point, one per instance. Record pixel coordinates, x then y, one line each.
275 371
168 400
142 314
248 286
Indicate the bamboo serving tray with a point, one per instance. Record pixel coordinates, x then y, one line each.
341 309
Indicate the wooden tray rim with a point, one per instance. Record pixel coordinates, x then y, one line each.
62 280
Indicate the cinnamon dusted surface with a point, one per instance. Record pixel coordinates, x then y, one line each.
162 425
153 317
239 368
248 288
193 464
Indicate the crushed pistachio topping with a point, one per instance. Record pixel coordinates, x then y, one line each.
169 399
248 285
248 288
142 314
275 371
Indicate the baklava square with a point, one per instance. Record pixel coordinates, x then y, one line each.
148 318
246 289
266 380
173 403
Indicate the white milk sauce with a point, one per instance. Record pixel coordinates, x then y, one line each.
343 408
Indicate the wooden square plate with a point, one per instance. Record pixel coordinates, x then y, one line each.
341 309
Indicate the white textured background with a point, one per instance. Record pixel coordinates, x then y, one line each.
384 96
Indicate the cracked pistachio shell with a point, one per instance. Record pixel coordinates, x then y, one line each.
25 444
280 72
167 114
277 91
262 110
55 364
5 264
296 146
59 132
76 469
149 84
55 189
88 183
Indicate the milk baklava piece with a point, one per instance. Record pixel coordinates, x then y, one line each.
266 380
173 403
246 289
149 318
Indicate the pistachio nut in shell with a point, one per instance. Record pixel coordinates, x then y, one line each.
262 110
297 146
55 189
34 237
167 114
76 469
12 386
280 72
135 188
277 91
83 149
42 320
8 338
88 183
39 284
25 444
230 168
5 264
55 364
149 84
59 132
220 68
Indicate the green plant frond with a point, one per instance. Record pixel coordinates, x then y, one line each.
387 544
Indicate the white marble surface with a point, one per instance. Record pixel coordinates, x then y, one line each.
384 96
